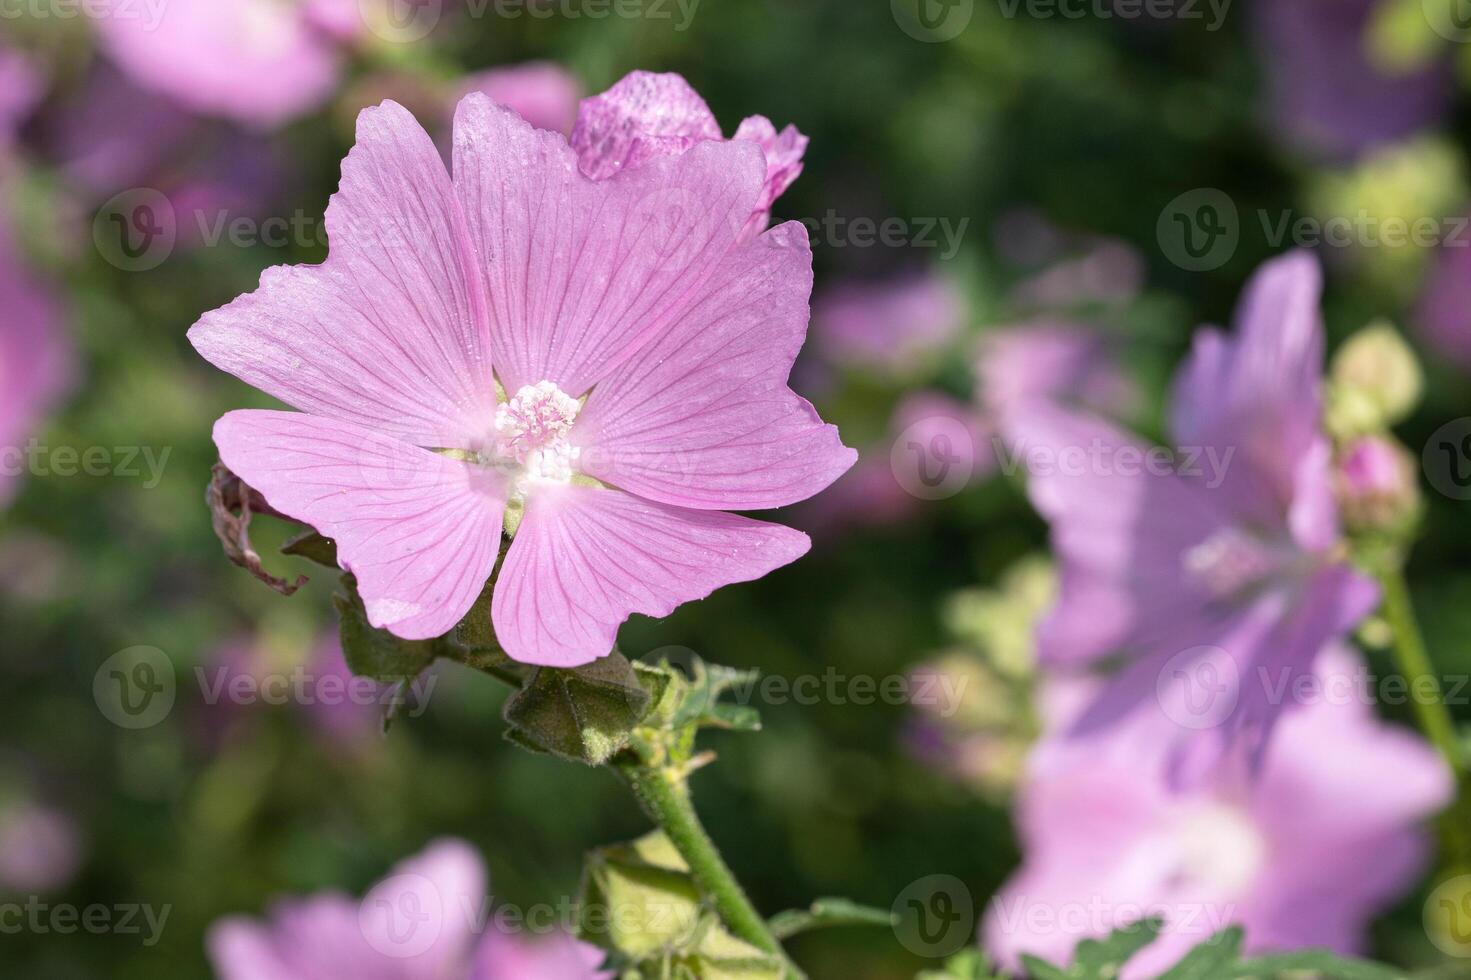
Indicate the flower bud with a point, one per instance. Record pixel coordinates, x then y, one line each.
1374 383
1376 485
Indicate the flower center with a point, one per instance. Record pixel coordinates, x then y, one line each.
531 428
1219 849
1229 561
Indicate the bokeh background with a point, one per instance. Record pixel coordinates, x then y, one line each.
1030 167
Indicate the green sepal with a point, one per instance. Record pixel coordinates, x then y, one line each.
635 907
587 714
377 653
313 547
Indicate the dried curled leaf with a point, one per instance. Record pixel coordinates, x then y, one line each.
231 506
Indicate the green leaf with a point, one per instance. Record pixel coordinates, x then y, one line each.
1102 959
587 714
1314 962
378 653
1218 958
700 704
313 547
1211 959
829 913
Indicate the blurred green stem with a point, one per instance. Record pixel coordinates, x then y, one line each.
664 793
1434 717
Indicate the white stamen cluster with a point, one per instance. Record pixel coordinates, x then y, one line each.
532 429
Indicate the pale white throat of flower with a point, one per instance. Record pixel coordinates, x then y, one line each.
1219 849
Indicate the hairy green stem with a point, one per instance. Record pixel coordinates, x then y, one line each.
665 797
1434 717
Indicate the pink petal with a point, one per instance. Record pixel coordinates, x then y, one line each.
643 116
784 151
390 332
419 530
580 274
585 559
703 417
1260 391
1120 526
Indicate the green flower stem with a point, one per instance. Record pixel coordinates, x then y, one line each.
666 798
1434 717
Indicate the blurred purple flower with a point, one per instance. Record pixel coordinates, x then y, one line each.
40 848
1052 361
1231 543
541 92
346 710
1328 836
1109 273
648 297
647 115
258 62
334 935
22 85
1443 314
36 363
1325 94
892 325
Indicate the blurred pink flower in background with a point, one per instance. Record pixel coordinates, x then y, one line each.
40 847
346 710
1326 94
1052 361
543 93
648 115
1326 838
22 84
1229 546
1107 273
36 360
648 297
258 62
1442 317
893 326
430 919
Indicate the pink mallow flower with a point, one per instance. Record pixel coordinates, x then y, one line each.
428 920
643 341
1327 837
1228 548
648 115
258 62
542 92
893 325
